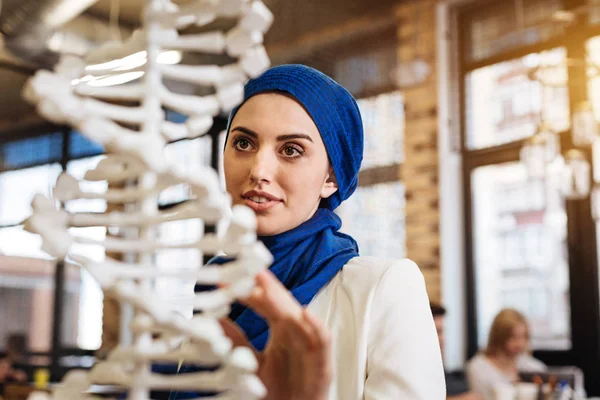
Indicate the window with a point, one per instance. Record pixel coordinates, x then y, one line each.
17 189
368 71
188 155
519 229
28 271
383 123
593 48
32 151
595 12
520 252
81 146
504 105
374 214
502 26
88 324
179 292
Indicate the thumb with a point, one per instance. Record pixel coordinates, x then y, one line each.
237 336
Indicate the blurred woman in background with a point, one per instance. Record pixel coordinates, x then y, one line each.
506 354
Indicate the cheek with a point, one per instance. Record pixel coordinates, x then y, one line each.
303 181
515 344
233 171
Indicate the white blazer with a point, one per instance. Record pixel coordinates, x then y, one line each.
385 344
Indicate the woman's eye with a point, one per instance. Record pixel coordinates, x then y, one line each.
292 151
242 144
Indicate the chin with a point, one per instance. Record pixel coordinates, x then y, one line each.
266 228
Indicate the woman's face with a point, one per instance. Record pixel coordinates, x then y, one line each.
276 163
518 342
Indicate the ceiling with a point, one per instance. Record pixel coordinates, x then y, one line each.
129 10
295 20
11 83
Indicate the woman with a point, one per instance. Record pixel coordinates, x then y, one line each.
292 154
505 356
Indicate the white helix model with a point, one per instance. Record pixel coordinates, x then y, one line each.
135 138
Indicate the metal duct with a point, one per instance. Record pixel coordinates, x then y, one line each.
27 26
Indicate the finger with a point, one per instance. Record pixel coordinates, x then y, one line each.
316 362
320 354
272 300
275 289
320 333
268 305
233 332
323 363
299 334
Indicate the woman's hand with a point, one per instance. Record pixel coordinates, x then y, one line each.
296 363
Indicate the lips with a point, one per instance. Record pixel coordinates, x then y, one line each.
260 201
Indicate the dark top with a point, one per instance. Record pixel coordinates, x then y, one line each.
456 384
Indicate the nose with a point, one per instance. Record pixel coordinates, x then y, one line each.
264 165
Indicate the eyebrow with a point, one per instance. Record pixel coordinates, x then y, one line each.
280 138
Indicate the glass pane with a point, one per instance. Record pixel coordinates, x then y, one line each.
85 294
37 150
77 169
520 252
374 217
17 242
504 25
17 189
81 146
503 105
593 49
595 12
26 296
187 154
179 292
365 72
383 122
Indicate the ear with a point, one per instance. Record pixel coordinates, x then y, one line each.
330 185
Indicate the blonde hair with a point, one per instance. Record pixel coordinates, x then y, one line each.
502 329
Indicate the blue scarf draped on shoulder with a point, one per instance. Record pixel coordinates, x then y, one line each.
306 259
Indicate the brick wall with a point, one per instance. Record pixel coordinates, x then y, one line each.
419 171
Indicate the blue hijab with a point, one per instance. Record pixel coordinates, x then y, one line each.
310 255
